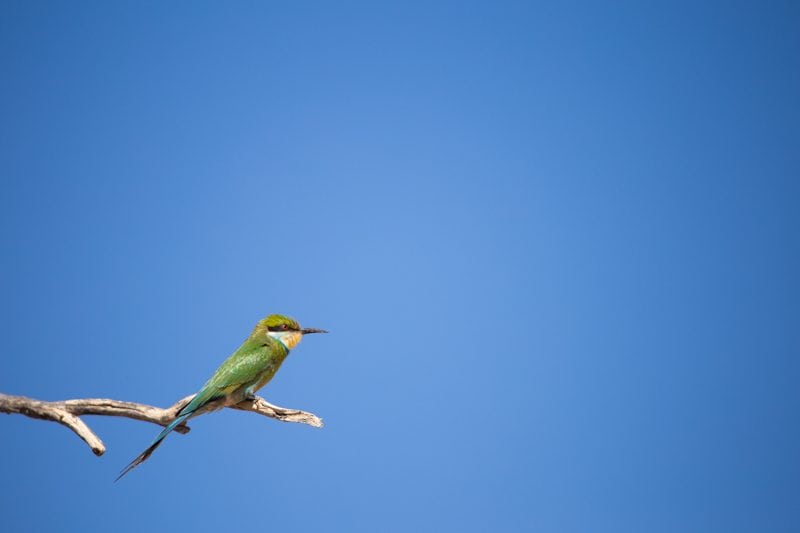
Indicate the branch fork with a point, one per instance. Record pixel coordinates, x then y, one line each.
68 413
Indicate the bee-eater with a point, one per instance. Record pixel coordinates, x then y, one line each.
240 375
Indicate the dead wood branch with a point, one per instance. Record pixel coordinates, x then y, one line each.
67 412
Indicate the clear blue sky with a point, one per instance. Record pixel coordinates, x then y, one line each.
556 245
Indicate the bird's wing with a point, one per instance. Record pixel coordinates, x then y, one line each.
243 368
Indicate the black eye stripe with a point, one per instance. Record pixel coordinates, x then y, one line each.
282 327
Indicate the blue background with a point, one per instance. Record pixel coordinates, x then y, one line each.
556 245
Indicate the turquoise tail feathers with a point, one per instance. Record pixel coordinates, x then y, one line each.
187 411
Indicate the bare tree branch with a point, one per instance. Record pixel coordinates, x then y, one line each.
68 412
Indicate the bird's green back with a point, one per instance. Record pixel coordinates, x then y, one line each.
248 369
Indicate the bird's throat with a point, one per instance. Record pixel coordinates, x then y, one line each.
290 339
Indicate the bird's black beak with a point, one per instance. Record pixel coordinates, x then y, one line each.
306 331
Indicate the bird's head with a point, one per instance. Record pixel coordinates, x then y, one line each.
284 329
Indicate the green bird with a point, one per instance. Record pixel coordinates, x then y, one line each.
239 377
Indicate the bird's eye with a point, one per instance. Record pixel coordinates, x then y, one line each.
284 327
